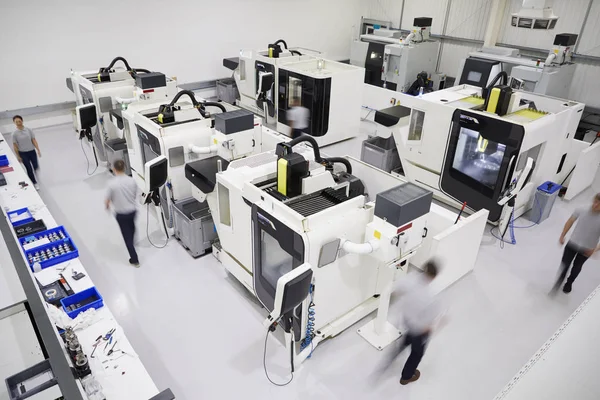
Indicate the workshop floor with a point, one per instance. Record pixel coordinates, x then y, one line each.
200 333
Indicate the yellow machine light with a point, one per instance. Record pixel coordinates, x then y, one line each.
377 234
493 100
270 53
160 118
481 144
282 167
99 78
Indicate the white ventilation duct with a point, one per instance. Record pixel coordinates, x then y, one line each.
535 14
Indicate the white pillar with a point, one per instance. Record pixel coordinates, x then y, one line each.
494 23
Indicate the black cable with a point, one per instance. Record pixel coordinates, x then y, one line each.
114 61
143 70
281 41
265 365
340 160
87 170
214 104
148 225
296 52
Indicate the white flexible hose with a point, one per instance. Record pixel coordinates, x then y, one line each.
550 59
122 100
409 38
360 248
213 148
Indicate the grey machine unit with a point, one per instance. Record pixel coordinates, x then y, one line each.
194 226
403 203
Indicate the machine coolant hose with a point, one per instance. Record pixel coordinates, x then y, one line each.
213 148
312 141
360 248
214 104
501 74
114 61
340 160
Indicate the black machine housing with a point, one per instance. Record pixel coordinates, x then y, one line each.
480 160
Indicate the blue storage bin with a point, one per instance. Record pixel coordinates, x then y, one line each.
30 255
90 297
3 160
19 213
56 235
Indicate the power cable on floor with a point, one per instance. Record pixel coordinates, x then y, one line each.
265 365
87 160
148 227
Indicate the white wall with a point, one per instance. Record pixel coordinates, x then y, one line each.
43 40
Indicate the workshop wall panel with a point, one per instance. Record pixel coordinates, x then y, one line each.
187 39
452 54
589 42
385 10
571 15
586 85
468 18
435 9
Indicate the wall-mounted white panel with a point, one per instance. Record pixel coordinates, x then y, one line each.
468 18
43 40
452 54
586 84
435 9
571 14
385 10
589 42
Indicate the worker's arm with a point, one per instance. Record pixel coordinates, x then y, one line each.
108 198
567 228
16 147
37 147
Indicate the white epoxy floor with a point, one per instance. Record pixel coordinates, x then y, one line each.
198 331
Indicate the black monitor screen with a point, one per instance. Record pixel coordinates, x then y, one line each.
478 158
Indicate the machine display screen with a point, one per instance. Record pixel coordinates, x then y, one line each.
474 76
478 158
275 261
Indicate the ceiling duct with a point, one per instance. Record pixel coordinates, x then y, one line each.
535 14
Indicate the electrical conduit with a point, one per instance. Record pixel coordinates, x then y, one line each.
213 148
360 248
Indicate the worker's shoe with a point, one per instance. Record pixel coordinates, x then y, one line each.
568 287
415 377
135 264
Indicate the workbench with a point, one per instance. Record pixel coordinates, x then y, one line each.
122 377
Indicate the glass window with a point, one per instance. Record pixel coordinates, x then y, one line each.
417 118
224 209
275 261
474 76
478 158
294 92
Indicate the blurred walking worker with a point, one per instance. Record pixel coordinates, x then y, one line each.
121 194
582 245
25 147
421 312
298 117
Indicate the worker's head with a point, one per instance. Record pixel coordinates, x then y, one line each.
119 167
431 269
596 203
18 120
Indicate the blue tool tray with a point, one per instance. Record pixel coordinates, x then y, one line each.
97 302
3 161
15 213
48 262
56 235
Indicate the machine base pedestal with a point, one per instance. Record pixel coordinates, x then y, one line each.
379 340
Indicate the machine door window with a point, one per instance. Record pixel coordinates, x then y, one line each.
149 144
277 250
417 119
477 166
294 91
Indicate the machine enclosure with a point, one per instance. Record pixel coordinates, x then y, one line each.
234 121
150 80
403 203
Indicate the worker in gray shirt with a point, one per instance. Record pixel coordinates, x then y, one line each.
582 245
121 194
25 147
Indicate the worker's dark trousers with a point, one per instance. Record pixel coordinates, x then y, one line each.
573 254
30 161
417 345
127 225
